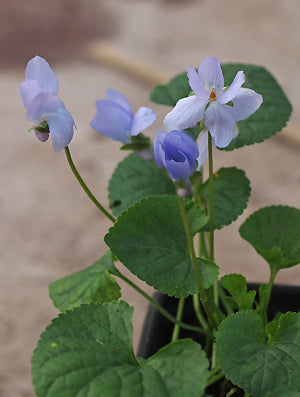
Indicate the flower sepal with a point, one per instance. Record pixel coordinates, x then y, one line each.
138 143
43 127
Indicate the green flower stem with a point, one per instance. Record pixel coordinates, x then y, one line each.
231 392
190 241
263 305
225 304
198 311
157 306
211 199
211 213
176 330
84 186
202 246
214 378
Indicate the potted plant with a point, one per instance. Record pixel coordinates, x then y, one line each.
224 340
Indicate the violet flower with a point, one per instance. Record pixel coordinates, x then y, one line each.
115 118
220 107
46 112
177 153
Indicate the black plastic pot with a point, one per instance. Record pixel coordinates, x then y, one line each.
157 330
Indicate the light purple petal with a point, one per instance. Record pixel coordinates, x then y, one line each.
187 112
196 84
61 126
234 89
202 143
38 69
159 154
112 121
143 118
221 124
42 136
117 97
28 90
43 104
245 104
211 76
178 170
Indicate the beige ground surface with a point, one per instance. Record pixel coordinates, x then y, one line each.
48 227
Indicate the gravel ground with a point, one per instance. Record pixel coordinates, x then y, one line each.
49 228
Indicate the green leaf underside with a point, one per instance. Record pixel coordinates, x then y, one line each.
88 352
231 194
274 232
236 285
253 364
93 284
135 179
149 239
266 122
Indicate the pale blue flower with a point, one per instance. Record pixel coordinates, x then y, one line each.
177 153
220 107
116 120
46 112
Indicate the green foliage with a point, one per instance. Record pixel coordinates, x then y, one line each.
231 195
266 122
196 216
134 179
236 285
255 364
275 234
93 284
88 352
169 94
149 239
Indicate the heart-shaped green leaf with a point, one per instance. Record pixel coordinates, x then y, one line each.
93 284
88 352
267 121
250 361
231 195
236 285
149 239
275 234
170 93
274 112
135 179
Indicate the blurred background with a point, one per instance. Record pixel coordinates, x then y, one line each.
48 226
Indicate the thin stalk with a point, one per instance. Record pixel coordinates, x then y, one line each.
214 378
84 186
225 304
157 306
231 392
198 311
263 306
190 242
211 213
211 199
202 246
176 329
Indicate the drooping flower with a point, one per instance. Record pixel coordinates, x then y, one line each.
220 107
46 112
116 120
177 153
